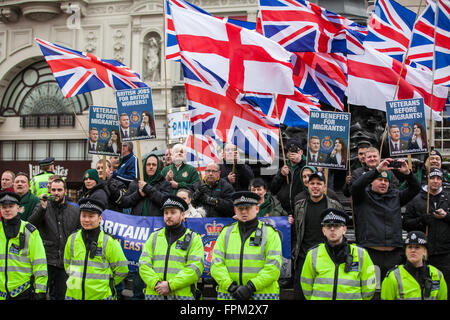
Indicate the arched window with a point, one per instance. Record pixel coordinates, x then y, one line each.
34 91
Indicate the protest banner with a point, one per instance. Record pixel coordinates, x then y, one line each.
136 119
179 125
406 127
104 138
133 231
328 139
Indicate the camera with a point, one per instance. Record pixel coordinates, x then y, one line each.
395 164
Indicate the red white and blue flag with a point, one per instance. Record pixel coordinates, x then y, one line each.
246 60
322 75
80 72
373 77
172 48
291 110
219 116
302 26
392 31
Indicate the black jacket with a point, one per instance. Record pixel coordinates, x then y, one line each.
286 192
378 217
346 189
215 199
154 193
99 192
55 225
244 175
416 219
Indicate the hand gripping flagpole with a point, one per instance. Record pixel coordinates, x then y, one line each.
275 105
398 82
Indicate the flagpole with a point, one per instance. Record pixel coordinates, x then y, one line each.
350 173
78 119
279 132
430 127
165 72
400 76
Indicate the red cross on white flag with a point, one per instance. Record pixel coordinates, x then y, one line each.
243 58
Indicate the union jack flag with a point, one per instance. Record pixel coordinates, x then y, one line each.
390 28
172 48
219 116
290 110
392 31
322 75
80 72
301 26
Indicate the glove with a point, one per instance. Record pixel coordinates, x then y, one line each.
244 292
203 188
198 196
233 287
40 296
210 201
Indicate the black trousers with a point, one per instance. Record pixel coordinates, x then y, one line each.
442 262
57 278
386 260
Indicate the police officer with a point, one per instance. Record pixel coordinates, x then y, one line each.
22 255
38 184
172 258
414 280
335 269
246 259
93 260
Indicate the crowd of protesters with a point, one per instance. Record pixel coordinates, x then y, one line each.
386 201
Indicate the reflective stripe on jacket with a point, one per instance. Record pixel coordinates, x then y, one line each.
19 265
399 284
259 263
323 279
93 278
181 268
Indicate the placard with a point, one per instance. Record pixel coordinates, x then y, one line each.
407 131
328 139
104 137
179 125
136 119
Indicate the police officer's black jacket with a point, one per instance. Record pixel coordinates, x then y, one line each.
55 225
415 219
153 195
378 216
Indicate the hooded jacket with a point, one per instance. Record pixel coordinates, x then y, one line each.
157 187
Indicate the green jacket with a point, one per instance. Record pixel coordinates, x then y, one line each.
323 279
93 278
27 204
234 261
399 284
186 176
20 264
271 206
181 267
38 184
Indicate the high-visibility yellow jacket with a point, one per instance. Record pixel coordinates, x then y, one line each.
22 265
181 264
259 263
323 279
93 278
399 284
39 183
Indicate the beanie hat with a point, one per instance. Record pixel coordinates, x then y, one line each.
91 174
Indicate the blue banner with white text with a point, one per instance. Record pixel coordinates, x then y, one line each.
133 231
